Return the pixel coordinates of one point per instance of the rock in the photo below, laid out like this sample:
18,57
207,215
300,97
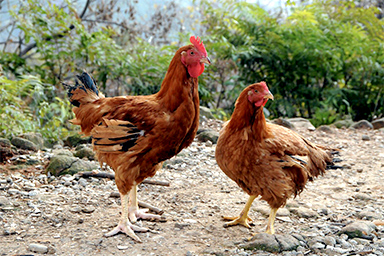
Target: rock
81,166
83,182
302,123
317,246
63,164
262,241
4,201
287,242
360,229
5,143
38,248
362,196
76,139
362,124
5,149
324,128
283,122
204,111
343,123
365,137
329,240
182,225
88,209
369,215
84,151
63,152
304,212
35,137
378,123
122,247
60,164
24,144
208,135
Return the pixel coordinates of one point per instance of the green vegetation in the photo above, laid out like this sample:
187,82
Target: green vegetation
325,61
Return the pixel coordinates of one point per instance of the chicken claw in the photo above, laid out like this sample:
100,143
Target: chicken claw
135,214
127,228
241,220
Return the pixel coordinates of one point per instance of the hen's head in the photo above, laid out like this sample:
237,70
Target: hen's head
258,94
195,57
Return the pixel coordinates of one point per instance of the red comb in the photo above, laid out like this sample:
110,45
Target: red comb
196,41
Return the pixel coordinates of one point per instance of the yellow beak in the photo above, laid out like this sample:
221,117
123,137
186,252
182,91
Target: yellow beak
269,96
205,60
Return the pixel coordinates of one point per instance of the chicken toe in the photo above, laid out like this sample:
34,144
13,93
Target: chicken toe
243,218
127,228
134,213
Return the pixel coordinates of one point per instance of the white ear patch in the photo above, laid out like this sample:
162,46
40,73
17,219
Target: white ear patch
183,53
250,93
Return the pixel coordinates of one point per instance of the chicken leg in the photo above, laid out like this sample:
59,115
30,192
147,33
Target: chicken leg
134,213
271,221
243,218
125,225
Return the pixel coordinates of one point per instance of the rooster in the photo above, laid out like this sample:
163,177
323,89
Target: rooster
263,158
134,135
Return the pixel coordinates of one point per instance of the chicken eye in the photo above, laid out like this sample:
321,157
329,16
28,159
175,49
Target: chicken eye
192,53
256,91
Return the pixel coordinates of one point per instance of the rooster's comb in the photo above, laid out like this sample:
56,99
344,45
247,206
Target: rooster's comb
196,41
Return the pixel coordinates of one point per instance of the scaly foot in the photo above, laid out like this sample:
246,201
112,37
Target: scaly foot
241,220
136,214
127,228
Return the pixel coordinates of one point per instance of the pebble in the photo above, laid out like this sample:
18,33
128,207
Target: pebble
38,248
122,247
88,209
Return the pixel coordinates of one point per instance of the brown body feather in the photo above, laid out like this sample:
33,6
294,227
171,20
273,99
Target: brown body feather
135,134
267,159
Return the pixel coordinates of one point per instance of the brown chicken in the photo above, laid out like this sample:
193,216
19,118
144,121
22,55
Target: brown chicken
263,158
136,134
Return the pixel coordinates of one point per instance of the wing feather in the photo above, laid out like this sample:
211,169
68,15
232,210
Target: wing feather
115,136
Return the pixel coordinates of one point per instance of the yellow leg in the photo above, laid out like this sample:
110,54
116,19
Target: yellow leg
271,221
125,226
134,212
243,218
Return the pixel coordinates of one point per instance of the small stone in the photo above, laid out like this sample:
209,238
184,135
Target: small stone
38,248
362,196
362,124
122,247
75,209
83,182
359,229
328,240
365,137
182,225
304,212
89,209
318,245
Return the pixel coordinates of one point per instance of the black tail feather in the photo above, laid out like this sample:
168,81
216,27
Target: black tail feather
84,81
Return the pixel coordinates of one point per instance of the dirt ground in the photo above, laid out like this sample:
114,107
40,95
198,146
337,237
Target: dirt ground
70,218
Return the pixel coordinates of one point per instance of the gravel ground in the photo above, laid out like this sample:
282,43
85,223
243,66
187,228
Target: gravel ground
69,215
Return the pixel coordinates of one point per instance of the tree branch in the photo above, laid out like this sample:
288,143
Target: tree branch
61,35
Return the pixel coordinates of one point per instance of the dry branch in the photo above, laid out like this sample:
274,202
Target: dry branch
142,204
112,176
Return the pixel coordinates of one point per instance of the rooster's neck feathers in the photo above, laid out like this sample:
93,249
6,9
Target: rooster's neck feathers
177,82
247,115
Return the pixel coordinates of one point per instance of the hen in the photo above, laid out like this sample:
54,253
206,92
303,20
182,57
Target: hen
136,134
263,158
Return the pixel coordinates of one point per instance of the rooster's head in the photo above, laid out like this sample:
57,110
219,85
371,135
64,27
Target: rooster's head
195,57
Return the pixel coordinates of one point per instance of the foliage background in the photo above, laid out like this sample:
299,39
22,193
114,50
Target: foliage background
321,59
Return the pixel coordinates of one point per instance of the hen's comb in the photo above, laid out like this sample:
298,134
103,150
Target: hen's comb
196,41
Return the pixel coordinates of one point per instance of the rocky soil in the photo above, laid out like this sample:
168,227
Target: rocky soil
340,213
